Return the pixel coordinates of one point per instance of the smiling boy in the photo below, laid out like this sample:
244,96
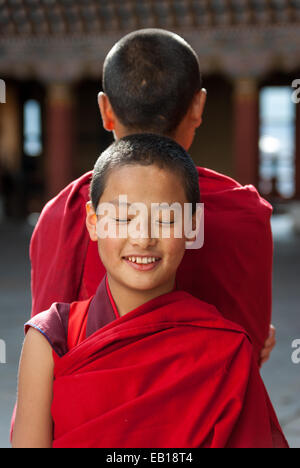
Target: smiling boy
150,184
168,370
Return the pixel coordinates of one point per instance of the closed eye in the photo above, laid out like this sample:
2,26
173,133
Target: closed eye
121,220
166,222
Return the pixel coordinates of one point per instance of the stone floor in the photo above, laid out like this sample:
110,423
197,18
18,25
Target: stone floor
281,376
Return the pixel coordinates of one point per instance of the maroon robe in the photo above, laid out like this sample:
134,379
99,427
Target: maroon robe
172,373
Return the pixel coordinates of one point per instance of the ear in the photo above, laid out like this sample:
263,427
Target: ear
107,113
197,107
91,222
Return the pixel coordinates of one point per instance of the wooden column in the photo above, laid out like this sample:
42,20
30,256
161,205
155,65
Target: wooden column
10,132
246,131
14,200
59,139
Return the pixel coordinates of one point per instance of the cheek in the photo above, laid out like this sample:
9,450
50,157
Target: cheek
110,250
174,249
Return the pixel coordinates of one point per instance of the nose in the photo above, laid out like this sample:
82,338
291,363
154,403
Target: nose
138,234
143,242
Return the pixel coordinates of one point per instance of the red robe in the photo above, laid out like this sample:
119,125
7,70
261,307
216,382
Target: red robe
170,374
233,271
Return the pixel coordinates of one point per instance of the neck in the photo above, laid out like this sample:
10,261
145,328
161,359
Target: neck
127,299
183,135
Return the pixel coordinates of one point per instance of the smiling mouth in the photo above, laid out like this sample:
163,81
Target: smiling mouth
142,260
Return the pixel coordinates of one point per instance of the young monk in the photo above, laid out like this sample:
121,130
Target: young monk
168,370
152,82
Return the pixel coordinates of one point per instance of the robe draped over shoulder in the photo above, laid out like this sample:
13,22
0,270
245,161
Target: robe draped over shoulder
172,373
66,325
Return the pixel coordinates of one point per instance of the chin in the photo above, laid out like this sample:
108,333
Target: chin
143,284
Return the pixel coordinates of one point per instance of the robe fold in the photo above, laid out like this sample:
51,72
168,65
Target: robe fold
233,271
171,374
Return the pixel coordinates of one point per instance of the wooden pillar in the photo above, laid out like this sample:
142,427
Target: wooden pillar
297,195
11,181
59,139
10,132
246,131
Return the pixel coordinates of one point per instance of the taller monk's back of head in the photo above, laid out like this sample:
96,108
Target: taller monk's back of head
151,77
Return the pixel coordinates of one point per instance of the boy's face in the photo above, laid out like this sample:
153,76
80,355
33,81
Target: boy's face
133,257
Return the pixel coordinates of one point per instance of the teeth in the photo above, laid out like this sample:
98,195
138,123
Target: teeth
142,261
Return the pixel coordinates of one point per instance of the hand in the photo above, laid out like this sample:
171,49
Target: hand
269,346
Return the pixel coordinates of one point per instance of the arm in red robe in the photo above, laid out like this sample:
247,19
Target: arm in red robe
233,271
172,373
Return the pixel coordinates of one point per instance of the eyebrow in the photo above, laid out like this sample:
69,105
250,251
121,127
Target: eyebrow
118,203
